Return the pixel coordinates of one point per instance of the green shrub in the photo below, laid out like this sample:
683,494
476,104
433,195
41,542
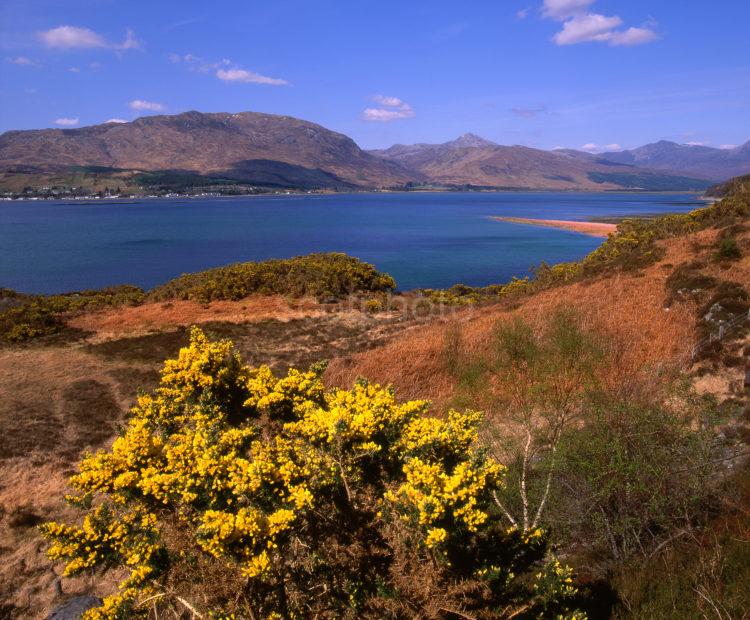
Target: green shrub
41,315
728,249
318,275
373,305
592,454
707,572
30,320
630,478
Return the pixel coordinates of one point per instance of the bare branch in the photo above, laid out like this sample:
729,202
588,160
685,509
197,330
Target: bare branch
506,512
189,607
524,496
547,487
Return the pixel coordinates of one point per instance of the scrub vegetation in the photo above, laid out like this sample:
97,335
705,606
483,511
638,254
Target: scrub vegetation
606,476
301,502
324,276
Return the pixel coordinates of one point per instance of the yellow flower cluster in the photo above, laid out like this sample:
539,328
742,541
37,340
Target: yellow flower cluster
250,465
436,438
108,538
447,497
363,420
554,584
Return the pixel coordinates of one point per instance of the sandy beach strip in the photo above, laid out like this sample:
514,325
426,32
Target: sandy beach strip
595,229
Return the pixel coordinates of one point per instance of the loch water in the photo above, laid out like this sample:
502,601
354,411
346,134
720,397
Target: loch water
424,240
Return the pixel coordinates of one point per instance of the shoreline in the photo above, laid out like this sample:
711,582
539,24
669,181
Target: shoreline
303,193
592,229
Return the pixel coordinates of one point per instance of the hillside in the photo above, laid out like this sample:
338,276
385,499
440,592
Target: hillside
216,151
471,160
250,147
703,162
648,295
736,186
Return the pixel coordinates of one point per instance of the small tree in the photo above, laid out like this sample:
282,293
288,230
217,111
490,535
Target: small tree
616,463
536,383
231,491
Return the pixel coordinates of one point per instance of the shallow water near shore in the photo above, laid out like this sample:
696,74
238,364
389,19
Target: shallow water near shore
429,240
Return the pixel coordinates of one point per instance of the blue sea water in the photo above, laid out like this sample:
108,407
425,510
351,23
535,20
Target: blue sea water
422,239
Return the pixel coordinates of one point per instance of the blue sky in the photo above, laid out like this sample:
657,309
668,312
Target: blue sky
545,73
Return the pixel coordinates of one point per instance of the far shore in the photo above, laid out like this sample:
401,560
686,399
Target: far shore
594,229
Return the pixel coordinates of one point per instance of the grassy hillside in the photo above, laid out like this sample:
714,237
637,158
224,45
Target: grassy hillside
628,440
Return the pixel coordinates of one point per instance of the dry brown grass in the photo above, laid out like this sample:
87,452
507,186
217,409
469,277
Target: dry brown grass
118,322
56,402
630,307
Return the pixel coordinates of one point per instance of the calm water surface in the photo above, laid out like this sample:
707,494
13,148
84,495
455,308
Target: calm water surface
422,239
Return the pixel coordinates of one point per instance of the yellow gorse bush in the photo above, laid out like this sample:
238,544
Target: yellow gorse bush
302,496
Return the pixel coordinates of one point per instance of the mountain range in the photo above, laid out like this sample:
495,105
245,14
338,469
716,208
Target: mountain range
471,160
691,159
281,151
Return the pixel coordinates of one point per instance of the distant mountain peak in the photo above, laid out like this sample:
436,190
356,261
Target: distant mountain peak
695,160
469,140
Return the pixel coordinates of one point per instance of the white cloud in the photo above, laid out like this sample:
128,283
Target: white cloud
592,147
383,115
248,77
727,147
523,13
75,69
72,37
23,60
130,42
391,102
189,58
66,122
588,27
196,63
76,37
224,69
695,143
562,9
392,109
633,36
116,120
583,26
151,106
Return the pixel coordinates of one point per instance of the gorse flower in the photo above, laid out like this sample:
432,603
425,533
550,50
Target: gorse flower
301,495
